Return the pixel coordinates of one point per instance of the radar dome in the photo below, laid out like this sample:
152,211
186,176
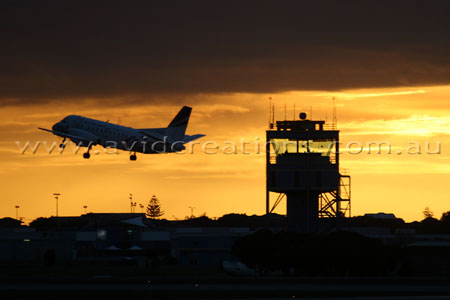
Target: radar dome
302,116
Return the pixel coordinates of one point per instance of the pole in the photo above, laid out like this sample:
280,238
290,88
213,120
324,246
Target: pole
17,212
56,197
131,203
192,211
270,111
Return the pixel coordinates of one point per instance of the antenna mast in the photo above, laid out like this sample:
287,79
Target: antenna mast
273,114
270,112
334,113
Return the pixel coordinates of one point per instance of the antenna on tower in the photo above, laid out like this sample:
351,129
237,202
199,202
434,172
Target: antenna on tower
334,112
270,112
273,114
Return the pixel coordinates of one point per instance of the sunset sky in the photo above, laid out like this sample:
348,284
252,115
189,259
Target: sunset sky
137,63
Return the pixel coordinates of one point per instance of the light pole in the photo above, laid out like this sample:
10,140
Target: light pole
192,211
131,202
85,209
142,208
17,212
56,197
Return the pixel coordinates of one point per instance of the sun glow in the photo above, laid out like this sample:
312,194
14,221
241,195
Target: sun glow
222,183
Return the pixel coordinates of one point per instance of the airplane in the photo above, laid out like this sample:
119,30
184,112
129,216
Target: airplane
86,132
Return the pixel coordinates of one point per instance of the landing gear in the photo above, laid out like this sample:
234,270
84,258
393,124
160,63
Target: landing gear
133,156
87,154
62,145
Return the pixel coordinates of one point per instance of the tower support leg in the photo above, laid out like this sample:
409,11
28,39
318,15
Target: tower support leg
303,211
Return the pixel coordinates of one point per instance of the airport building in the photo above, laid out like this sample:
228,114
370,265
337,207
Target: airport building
131,239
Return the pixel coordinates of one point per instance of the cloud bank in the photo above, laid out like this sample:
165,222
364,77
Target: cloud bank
77,49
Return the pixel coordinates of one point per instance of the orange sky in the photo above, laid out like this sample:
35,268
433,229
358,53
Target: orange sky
220,183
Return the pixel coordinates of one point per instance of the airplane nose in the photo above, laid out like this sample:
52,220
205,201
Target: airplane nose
60,127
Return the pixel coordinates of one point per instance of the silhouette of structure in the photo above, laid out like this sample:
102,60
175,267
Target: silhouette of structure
303,166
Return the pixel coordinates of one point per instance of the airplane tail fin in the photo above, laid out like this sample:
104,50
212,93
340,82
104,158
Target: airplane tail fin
177,127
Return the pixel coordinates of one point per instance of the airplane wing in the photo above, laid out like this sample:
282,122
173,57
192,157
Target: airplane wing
190,138
80,138
155,135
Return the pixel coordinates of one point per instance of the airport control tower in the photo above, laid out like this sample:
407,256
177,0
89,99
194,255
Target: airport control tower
303,167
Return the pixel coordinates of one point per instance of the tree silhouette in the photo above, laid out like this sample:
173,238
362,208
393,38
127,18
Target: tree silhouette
445,221
427,213
154,208
333,254
445,217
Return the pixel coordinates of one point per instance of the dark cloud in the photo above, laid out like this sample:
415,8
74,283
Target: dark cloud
67,49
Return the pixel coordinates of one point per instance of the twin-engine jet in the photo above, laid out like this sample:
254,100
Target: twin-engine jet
87,132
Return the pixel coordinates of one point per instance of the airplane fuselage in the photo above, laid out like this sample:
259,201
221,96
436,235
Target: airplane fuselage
111,135
87,132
